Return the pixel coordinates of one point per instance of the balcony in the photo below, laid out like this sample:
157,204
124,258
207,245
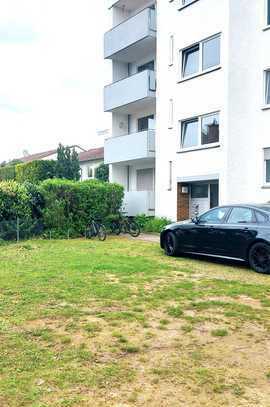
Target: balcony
136,91
133,39
130,147
139,202
127,4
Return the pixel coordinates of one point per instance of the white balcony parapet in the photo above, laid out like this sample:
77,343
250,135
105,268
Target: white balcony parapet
131,147
132,38
139,202
135,88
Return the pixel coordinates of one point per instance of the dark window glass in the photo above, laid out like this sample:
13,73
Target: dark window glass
210,129
143,123
191,60
149,65
190,133
241,215
215,216
268,12
199,191
267,163
261,218
211,53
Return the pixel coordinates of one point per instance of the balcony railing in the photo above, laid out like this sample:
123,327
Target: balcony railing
133,39
135,88
131,147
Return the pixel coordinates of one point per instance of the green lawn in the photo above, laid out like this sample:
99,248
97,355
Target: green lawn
117,324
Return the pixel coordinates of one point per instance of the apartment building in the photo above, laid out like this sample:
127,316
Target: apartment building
211,104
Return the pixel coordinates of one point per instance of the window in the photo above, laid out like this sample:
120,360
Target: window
261,218
210,129
241,215
191,61
211,53
145,179
267,87
267,165
201,57
148,66
268,12
143,123
215,216
199,191
90,172
200,131
190,133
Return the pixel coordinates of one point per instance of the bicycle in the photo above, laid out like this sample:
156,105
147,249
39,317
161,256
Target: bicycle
96,229
125,224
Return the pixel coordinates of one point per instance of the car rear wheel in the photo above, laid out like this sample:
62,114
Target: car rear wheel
170,244
259,257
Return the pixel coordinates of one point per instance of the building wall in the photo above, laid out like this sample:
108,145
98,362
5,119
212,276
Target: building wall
85,165
248,124
201,95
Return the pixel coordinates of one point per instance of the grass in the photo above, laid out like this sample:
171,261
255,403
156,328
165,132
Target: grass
118,323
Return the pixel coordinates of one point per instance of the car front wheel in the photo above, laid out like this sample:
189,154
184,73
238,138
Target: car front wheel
259,257
170,244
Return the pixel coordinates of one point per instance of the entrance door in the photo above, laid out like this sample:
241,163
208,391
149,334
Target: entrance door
199,199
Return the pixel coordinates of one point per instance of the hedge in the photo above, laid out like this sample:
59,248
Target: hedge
15,201
35,171
68,205
7,173
151,224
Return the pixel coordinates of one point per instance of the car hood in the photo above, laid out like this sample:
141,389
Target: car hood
177,224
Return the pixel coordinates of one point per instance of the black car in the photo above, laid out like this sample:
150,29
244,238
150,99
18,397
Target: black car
237,232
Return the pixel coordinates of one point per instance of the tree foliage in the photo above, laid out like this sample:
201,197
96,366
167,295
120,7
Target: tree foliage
35,171
102,173
67,165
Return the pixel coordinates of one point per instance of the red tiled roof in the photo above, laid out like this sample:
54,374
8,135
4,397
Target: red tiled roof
93,154
37,156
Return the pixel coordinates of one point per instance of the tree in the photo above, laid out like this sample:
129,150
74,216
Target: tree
67,165
102,173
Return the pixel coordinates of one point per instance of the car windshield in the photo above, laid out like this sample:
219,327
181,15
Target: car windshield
264,208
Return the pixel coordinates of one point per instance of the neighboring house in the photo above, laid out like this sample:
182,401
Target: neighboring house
212,110
46,155
89,161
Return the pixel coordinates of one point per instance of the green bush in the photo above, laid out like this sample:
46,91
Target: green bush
7,173
102,173
15,201
68,205
152,224
36,171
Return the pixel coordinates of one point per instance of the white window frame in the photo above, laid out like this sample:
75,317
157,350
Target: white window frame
92,168
200,71
199,146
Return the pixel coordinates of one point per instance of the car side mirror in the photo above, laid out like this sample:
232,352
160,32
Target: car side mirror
195,220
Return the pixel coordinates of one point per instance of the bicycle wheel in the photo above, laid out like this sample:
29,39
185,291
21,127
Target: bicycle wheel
116,228
102,233
89,233
134,229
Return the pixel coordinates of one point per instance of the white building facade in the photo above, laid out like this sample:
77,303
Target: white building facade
207,103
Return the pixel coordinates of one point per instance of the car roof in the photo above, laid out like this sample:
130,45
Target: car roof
261,207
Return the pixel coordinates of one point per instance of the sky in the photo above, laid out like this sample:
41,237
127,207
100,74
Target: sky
52,74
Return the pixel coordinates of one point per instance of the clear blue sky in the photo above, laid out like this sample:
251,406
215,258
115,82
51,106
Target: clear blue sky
51,74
